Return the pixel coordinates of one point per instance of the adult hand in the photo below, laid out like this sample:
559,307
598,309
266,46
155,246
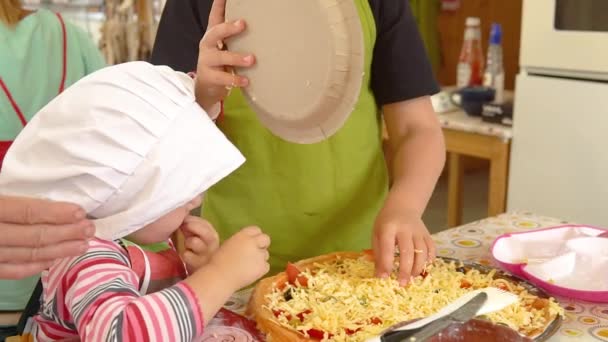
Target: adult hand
397,227
214,68
37,232
201,241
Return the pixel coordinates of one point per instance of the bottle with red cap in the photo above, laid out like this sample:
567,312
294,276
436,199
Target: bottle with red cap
471,62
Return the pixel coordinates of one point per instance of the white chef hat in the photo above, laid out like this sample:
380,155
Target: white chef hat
128,143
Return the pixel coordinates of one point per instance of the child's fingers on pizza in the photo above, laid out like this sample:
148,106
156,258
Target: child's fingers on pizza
385,253
406,256
430,245
420,255
374,244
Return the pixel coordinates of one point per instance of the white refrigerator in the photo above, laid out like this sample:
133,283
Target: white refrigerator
559,155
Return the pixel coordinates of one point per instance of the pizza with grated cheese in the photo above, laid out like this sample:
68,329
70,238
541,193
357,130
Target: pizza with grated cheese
336,297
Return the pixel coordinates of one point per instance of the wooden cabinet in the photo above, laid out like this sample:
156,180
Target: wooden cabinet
451,32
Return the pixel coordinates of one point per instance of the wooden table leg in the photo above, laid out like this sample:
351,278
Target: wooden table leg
499,171
455,189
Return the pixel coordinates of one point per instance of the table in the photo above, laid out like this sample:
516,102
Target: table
582,322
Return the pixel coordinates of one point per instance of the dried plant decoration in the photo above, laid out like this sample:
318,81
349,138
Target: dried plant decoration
129,30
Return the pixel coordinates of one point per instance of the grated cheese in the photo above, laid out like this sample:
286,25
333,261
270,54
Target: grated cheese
344,300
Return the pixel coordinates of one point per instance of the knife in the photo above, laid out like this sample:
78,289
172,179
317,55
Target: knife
460,315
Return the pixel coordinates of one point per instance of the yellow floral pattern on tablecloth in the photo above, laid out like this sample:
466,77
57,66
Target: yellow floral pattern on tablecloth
571,332
588,320
472,242
599,333
600,311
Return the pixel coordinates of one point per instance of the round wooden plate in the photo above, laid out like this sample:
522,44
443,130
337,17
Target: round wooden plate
309,64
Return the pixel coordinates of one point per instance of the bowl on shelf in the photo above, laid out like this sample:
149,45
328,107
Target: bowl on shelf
472,99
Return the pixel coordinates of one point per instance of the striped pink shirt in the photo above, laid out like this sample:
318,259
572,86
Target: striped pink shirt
95,297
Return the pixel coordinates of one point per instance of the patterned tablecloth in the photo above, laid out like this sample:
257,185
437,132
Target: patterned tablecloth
583,322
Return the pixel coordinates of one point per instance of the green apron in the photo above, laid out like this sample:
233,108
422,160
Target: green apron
311,199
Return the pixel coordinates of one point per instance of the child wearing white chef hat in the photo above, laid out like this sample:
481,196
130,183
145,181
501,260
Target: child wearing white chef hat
132,147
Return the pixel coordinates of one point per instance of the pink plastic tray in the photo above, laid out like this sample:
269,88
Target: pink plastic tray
569,261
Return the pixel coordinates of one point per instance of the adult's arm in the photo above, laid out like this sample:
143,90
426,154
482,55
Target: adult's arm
418,155
402,80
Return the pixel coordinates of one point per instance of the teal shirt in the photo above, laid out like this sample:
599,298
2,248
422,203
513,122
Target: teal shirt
31,66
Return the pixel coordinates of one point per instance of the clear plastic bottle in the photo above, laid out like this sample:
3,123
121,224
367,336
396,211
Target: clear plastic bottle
494,76
470,64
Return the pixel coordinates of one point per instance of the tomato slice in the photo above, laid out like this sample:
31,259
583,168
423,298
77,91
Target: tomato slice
540,303
316,334
278,313
375,320
303,280
293,274
352,332
465,284
503,287
282,286
301,315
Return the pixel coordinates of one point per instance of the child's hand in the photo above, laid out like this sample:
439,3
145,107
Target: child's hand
240,261
213,78
404,229
201,241
244,257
